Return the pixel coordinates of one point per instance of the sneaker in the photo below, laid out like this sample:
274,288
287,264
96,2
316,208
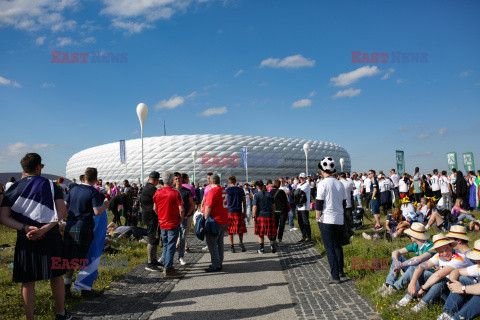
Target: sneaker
242,246
422,304
143,240
172,273
151,267
261,251
87,294
66,316
333,281
388,292
427,227
366,236
403,302
307,240
394,235
232,249
205,248
301,240
376,236
445,316
273,247
182,262
160,260
293,229
158,263
377,228
213,269
382,288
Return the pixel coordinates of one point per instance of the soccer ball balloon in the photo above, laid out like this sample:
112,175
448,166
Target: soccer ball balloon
327,164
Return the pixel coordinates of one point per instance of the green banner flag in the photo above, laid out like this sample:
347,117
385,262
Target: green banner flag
468,162
452,160
400,162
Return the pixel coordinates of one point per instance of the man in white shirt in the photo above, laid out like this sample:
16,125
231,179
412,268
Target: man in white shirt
367,183
331,203
445,191
348,214
303,209
395,179
357,191
434,182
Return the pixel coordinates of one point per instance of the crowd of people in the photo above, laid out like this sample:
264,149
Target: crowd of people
169,204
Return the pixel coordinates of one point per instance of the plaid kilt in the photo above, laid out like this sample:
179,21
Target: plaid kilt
77,241
265,226
236,223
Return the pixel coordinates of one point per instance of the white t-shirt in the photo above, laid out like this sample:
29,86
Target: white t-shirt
406,209
247,198
402,186
367,183
385,185
434,182
458,261
333,193
474,272
443,182
395,179
305,188
8,185
348,185
358,187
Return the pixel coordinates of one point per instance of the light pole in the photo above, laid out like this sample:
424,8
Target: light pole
306,148
194,155
142,111
342,161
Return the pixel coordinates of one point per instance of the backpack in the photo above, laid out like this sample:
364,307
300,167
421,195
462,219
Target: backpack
299,196
448,216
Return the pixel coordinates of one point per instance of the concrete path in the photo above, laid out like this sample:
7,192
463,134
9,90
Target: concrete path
251,285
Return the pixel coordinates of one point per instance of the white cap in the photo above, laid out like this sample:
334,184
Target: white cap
302,175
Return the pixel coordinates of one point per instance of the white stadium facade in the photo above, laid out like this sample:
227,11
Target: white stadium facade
267,158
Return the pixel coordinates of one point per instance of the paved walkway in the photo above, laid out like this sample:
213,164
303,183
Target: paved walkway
286,285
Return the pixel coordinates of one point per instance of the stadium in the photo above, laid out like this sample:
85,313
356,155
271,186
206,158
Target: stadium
267,158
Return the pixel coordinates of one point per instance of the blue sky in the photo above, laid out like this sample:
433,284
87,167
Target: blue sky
268,68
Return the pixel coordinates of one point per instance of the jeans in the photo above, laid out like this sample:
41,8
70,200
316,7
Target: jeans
391,277
465,215
169,240
358,199
447,201
182,237
375,206
461,304
435,291
215,245
397,193
332,238
291,216
249,214
280,219
304,223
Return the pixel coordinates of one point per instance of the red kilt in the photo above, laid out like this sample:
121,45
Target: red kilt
236,223
265,226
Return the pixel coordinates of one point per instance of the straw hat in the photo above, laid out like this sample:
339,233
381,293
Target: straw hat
417,230
475,253
440,240
458,232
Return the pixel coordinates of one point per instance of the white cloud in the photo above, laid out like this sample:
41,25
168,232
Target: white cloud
400,81
443,131
263,84
291,62
465,73
239,72
302,103
408,128
7,82
130,27
347,93
40,40
388,73
135,132
345,79
33,15
89,40
64,41
213,111
47,85
311,94
17,150
174,101
423,135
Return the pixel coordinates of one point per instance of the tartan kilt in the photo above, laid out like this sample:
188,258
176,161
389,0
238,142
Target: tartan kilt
77,241
236,223
265,226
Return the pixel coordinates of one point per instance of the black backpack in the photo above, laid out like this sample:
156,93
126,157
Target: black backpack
299,197
448,216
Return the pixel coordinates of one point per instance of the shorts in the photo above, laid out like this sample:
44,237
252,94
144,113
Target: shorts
375,205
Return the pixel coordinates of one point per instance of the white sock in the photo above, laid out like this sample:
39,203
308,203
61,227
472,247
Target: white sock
61,313
67,281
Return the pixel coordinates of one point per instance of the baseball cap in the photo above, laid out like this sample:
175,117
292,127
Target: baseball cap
154,175
302,175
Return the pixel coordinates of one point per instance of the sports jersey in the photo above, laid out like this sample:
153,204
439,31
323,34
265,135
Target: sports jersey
235,198
217,199
167,201
458,261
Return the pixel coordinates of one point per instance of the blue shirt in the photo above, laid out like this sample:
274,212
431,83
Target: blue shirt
81,201
235,199
264,202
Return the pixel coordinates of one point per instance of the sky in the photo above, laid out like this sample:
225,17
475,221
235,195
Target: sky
293,69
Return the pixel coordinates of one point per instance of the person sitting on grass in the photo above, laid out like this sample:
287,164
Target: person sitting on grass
392,222
460,213
436,217
463,302
420,246
459,234
429,286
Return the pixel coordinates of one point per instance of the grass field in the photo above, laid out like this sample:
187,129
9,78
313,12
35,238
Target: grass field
369,280
10,300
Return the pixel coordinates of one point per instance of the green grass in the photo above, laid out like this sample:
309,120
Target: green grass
10,299
368,281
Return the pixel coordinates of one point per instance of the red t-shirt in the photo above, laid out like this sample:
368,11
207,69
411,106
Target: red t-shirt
167,201
217,199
